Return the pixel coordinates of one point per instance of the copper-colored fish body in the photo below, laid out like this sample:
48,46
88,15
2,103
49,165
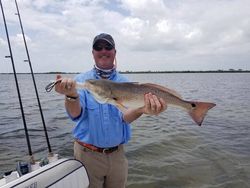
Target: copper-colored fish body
131,95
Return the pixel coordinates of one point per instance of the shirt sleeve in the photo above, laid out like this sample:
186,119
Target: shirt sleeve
75,119
82,104
82,101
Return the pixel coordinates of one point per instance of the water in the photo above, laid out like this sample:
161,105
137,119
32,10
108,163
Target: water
168,150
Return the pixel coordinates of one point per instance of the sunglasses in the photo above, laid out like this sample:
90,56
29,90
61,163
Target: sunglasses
99,47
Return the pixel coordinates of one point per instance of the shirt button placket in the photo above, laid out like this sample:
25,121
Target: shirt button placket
106,122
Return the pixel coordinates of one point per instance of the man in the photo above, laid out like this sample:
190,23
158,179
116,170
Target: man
101,129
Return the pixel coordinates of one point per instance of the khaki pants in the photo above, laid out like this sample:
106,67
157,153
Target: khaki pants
104,170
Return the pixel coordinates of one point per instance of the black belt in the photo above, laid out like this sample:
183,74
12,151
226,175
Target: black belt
97,149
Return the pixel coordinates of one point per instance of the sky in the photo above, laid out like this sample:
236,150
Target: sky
155,35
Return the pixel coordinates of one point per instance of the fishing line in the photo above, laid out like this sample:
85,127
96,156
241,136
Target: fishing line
17,87
34,82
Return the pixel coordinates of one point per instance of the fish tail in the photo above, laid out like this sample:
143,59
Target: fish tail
199,111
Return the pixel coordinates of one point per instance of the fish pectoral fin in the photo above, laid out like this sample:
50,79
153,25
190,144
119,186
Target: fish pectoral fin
119,105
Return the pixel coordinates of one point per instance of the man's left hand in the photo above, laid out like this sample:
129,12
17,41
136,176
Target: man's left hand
153,104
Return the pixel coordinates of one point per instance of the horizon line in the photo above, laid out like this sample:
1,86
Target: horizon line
131,72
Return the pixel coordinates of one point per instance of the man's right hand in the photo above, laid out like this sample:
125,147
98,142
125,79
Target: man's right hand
67,86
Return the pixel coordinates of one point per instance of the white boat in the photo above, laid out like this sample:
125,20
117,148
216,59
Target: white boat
60,173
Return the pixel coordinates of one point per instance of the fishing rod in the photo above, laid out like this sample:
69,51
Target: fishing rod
17,87
34,82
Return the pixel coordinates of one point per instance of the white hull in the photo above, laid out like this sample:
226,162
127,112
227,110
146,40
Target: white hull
61,173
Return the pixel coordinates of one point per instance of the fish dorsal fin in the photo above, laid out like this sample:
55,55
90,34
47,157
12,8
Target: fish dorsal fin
129,82
163,89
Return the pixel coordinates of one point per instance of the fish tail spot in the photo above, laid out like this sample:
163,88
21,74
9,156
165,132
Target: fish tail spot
193,105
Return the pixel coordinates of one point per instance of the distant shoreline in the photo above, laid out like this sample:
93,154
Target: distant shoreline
151,72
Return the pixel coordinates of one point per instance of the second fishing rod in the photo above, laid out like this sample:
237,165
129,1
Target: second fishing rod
32,161
34,82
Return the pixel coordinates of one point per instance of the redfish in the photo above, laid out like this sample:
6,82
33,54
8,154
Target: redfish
131,95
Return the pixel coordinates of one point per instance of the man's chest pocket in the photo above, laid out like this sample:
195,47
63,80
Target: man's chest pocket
93,110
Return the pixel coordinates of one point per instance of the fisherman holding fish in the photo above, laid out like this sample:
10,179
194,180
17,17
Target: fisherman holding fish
101,128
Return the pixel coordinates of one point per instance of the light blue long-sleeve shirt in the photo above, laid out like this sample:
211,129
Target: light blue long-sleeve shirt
101,125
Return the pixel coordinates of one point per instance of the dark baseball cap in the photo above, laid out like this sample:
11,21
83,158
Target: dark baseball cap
106,37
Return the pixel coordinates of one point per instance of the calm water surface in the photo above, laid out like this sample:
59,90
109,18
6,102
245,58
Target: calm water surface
168,150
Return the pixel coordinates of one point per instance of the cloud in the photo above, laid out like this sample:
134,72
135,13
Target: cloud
150,34
18,40
133,27
2,42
